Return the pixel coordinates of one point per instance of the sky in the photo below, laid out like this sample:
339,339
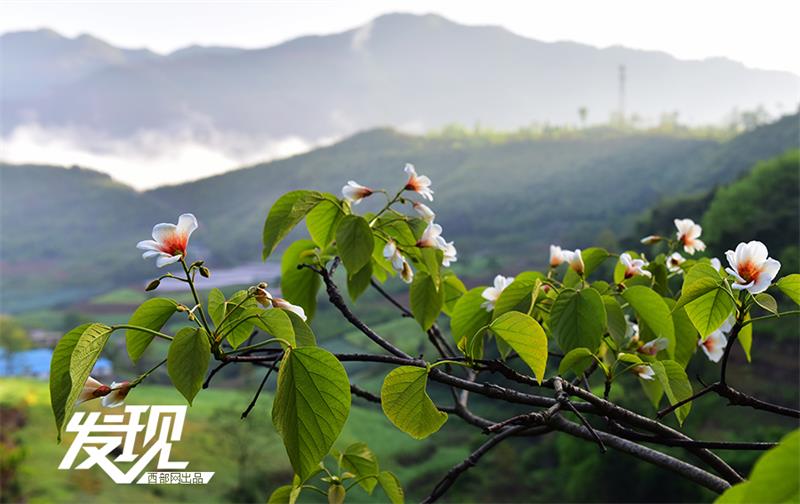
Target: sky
759,34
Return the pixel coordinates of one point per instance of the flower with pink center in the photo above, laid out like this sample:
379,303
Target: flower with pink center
420,184
432,237
644,372
674,263
714,345
575,260
119,391
633,267
169,241
424,211
751,267
688,234
654,346
92,389
355,192
492,294
556,256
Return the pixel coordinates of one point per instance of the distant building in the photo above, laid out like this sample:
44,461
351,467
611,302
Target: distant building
36,363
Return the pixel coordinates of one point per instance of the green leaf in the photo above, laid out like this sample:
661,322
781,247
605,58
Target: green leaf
85,353
790,285
526,337
745,337
303,334
187,361
578,319
286,494
766,302
593,257
676,385
299,286
358,282
238,326
355,242
398,229
285,214
617,325
391,487
469,316
453,290
701,279
686,335
216,306
426,300
653,311
518,295
274,322
322,222
576,360
311,405
152,314
60,382
431,259
407,405
710,310
359,460
774,476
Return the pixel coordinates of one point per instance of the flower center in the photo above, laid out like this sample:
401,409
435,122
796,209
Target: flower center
749,271
174,244
709,344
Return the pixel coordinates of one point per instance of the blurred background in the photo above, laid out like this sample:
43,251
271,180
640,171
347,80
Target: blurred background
582,123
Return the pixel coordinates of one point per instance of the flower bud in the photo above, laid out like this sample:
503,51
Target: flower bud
650,240
153,285
204,272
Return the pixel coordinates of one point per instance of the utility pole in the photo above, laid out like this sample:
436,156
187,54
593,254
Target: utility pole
621,110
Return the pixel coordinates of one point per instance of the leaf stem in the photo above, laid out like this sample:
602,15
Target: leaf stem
143,329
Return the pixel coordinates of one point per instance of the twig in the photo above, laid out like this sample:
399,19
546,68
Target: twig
214,372
258,392
563,399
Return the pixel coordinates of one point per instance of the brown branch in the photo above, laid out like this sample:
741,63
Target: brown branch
258,391
716,445
735,398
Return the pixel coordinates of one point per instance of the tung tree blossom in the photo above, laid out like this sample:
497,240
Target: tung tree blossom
450,254
492,294
575,260
714,345
674,263
392,254
169,241
556,256
119,391
424,211
420,184
633,266
651,239
92,389
644,372
751,267
267,300
688,234
654,346
355,192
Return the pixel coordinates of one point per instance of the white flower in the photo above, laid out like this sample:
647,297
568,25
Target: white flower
714,345
633,266
169,241
450,255
654,346
751,267
575,260
399,263
632,331
556,256
119,391
424,211
92,389
492,294
674,263
650,239
716,264
432,237
355,192
268,301
688,234
418,183
644,372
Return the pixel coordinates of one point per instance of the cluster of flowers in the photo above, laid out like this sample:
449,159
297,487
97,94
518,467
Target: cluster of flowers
750,266
431,237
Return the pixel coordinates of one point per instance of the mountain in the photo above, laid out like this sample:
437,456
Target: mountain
406,71
502,198
36,63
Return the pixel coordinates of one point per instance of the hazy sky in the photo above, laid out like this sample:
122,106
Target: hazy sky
760,34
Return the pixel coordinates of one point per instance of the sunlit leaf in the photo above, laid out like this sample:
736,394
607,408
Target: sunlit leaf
406,402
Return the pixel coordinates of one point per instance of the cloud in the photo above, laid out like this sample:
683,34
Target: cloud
150,158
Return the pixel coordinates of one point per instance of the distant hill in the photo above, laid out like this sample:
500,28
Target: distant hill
503,199
407,71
